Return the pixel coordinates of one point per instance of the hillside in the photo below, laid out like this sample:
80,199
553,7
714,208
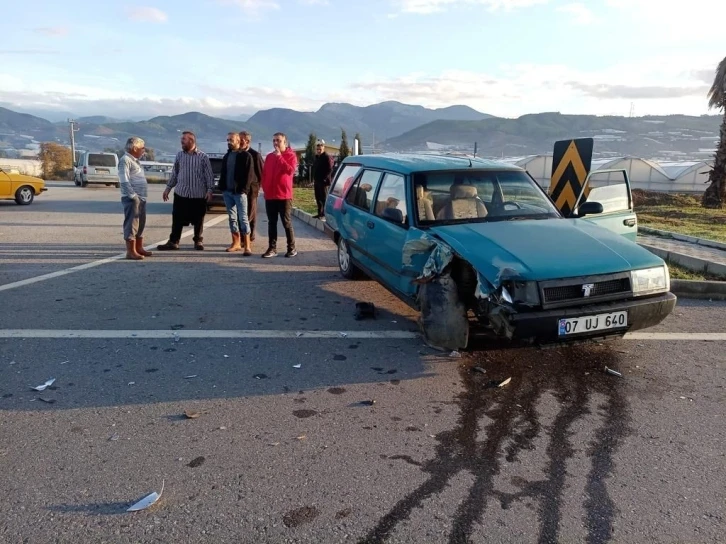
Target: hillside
674,136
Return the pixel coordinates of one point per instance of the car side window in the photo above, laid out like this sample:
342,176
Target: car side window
361,193
611,192
391,200
343,180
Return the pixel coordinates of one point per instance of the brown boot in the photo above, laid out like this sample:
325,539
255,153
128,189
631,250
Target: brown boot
248,246
236,245
131,251
140,248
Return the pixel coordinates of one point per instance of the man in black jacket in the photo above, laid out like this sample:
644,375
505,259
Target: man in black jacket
234,181
254,189
322,174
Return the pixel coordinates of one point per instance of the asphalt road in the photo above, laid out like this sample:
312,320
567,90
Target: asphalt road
563,453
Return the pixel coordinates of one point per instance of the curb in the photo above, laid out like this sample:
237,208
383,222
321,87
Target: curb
682,237
695,264
308,219
711,290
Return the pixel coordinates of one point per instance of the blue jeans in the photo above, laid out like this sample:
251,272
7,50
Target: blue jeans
237,212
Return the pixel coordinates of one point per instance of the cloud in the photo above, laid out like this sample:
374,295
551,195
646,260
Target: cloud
145,14
705,76
630,92
434,6
252,7
580,13
52,31
314,2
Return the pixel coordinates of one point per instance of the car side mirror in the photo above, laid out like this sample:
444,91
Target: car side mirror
589,208
393,214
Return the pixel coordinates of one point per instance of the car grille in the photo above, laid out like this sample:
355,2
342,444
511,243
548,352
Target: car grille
571,292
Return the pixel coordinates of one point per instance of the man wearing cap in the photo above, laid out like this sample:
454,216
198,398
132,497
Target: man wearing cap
322,176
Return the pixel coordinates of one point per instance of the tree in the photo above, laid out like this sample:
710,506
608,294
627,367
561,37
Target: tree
309,156
55,160
715,194
344,149
360,143
149,154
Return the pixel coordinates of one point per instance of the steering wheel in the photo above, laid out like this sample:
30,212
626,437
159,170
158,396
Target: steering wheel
510,202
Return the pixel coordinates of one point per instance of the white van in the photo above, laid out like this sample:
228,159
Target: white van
97,168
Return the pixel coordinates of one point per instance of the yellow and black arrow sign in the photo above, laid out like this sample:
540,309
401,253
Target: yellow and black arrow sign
571,163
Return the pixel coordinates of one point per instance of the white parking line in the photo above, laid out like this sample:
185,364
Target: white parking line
93,264
291,334
165,333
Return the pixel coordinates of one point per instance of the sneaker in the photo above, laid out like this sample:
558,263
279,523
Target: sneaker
169,246
199,246
269,253
291,253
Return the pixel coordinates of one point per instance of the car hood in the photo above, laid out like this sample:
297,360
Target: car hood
22,178
543,249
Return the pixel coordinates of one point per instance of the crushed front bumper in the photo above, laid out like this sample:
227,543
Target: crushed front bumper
542,327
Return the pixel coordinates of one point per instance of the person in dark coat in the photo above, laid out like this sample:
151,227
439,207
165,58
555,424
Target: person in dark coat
322,176
254,189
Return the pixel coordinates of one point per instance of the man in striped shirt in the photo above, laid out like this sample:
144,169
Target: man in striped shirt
193,182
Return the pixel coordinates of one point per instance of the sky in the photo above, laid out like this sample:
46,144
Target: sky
229,57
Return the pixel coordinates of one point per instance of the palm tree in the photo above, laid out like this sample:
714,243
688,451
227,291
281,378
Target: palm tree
715,195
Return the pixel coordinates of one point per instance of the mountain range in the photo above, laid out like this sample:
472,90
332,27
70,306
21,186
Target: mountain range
389,126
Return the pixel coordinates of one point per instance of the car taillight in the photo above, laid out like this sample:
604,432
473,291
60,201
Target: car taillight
85,170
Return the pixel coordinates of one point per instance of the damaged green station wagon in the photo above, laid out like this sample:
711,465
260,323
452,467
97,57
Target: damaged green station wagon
478,246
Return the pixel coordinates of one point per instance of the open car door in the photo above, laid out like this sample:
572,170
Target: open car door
609,189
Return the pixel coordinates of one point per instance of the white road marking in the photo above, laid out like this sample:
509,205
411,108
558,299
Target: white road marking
94,264
301,334
165,333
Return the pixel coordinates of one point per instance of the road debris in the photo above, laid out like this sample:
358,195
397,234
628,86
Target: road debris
196,462
479,370
296,366
365,310
505,382
44,386
455,355
343,335
147,501
132,383
48,401
299,334
190,376
302,437
274,444
64,363
226,356
368,402
190,414
114,438
613,372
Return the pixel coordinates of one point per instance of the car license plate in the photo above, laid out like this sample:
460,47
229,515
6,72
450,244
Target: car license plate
102,171
592,323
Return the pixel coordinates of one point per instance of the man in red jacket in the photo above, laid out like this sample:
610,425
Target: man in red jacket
280,167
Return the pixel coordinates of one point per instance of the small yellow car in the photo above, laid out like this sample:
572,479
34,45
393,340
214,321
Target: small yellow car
19,187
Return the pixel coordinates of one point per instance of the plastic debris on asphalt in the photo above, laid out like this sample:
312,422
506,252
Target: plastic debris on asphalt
344,335
114,438
479,370
189,414
613,372
368,402
44,386
147,501
48,401
190,377
505,382
296,366
299,334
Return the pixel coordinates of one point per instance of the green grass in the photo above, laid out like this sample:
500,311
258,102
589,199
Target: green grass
680,273
304,198
679,213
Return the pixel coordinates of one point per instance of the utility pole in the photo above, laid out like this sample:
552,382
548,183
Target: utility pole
476,147
632,109
74,129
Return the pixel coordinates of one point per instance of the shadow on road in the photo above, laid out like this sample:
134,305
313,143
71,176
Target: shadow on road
514,427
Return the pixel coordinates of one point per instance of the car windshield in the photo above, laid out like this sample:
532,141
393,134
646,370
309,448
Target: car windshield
479,196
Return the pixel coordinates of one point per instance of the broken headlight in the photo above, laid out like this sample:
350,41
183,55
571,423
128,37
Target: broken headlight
650,280
523,293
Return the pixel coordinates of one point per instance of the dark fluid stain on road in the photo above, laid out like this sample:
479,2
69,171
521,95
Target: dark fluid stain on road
7,395
169,350
339,357
392,371
196,462
300,516
302,414
336,390
353,346
412,429
513,427
151,370
342,514
154,348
